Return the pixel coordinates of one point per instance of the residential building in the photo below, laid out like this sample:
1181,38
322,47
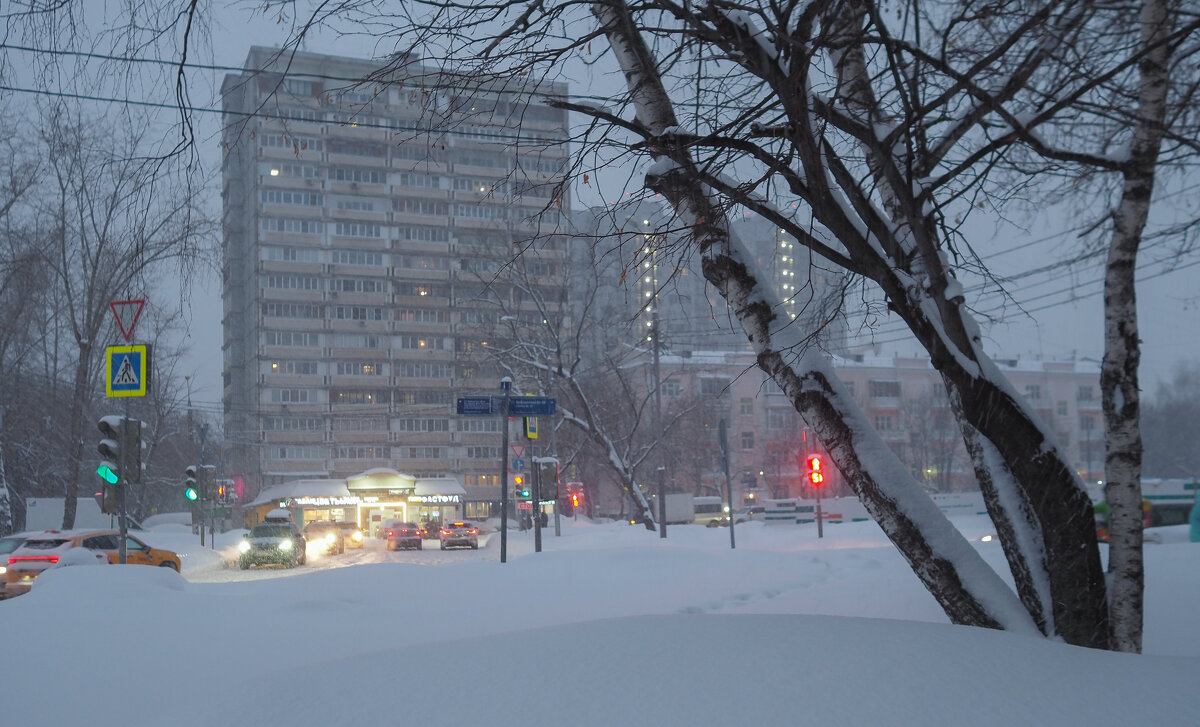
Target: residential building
903,398
365,230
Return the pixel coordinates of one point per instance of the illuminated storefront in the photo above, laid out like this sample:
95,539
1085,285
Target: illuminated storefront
366,499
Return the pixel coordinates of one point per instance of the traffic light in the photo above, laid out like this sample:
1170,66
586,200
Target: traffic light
191,485
815,474
120,446
521,487
547,474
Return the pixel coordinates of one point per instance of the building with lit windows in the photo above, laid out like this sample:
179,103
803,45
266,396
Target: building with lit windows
622,243
903,397
363,224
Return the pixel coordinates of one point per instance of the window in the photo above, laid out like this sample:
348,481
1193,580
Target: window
424,234
292,282
290,141
360,205
293,424
293,227
885,389
421,315
424,370
283,196
291,254
291,338
778,418
363,397
420,453
1062,408
360,424
357,229
361,453
483,453
353,340
299,452
352,174
1084,393
358,368
291,310
883,422
672,388
358,285
302,368
478,426
293,396
356,257
710,386
1033,392
356,313
747,440
1087,423
419,343
746,406
423,425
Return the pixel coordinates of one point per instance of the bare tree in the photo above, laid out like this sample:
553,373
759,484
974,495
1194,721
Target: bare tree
109,217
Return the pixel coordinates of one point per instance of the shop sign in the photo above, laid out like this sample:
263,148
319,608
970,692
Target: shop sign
325,501
435,499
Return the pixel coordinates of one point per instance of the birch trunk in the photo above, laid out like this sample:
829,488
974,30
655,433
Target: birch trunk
1120,395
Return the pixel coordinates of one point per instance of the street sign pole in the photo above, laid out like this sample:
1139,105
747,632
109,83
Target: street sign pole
506,384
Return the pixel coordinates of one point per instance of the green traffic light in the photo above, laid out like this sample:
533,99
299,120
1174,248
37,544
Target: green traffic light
191,494
107,474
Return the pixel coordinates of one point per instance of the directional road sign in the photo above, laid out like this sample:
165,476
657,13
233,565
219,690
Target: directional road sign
518,464
531,406
480,405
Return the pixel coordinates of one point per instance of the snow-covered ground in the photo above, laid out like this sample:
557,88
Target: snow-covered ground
610,625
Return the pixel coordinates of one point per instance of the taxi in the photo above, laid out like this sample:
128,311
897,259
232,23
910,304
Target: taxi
43,550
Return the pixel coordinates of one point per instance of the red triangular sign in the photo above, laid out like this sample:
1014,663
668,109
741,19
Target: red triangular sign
127,313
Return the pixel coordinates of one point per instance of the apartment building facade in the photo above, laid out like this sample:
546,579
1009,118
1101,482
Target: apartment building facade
367,228
902,397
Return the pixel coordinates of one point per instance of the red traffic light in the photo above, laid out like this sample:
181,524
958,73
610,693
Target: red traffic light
815,475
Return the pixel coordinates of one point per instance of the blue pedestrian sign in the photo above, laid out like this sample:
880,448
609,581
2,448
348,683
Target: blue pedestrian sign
127,370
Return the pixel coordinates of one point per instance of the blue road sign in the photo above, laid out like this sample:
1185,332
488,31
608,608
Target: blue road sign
518,464
480,405
530,406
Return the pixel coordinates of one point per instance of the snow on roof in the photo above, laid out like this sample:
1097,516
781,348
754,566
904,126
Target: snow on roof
301,488
439,486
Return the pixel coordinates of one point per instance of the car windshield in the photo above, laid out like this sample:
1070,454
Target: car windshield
271,531
8,545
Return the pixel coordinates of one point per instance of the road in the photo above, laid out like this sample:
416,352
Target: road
211,568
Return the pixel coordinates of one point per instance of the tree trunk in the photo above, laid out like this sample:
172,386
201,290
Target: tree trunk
1119,373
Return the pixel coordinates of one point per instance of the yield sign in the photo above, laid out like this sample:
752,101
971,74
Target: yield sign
127,313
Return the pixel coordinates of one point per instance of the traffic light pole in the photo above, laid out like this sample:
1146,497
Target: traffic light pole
126,476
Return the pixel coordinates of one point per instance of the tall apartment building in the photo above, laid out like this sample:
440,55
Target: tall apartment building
366,227
691,313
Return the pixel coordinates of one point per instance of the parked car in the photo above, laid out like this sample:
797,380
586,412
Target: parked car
352,534
274,543
404,535
8,544
326,536
459,534
43,550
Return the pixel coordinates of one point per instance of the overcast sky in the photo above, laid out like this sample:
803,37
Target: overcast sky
1063,305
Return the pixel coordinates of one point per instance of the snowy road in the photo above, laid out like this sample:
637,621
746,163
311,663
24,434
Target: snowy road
212,566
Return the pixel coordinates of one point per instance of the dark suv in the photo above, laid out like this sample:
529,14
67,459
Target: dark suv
275,543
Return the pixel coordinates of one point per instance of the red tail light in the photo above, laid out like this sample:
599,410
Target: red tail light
14,558
390,533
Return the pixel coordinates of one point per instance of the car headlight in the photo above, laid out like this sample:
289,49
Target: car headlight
285,545
244,546
3,569
357,536
330,539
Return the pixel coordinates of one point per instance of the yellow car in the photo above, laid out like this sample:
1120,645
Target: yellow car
44,550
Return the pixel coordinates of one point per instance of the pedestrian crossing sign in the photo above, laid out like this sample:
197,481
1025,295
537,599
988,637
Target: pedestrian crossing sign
127,370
